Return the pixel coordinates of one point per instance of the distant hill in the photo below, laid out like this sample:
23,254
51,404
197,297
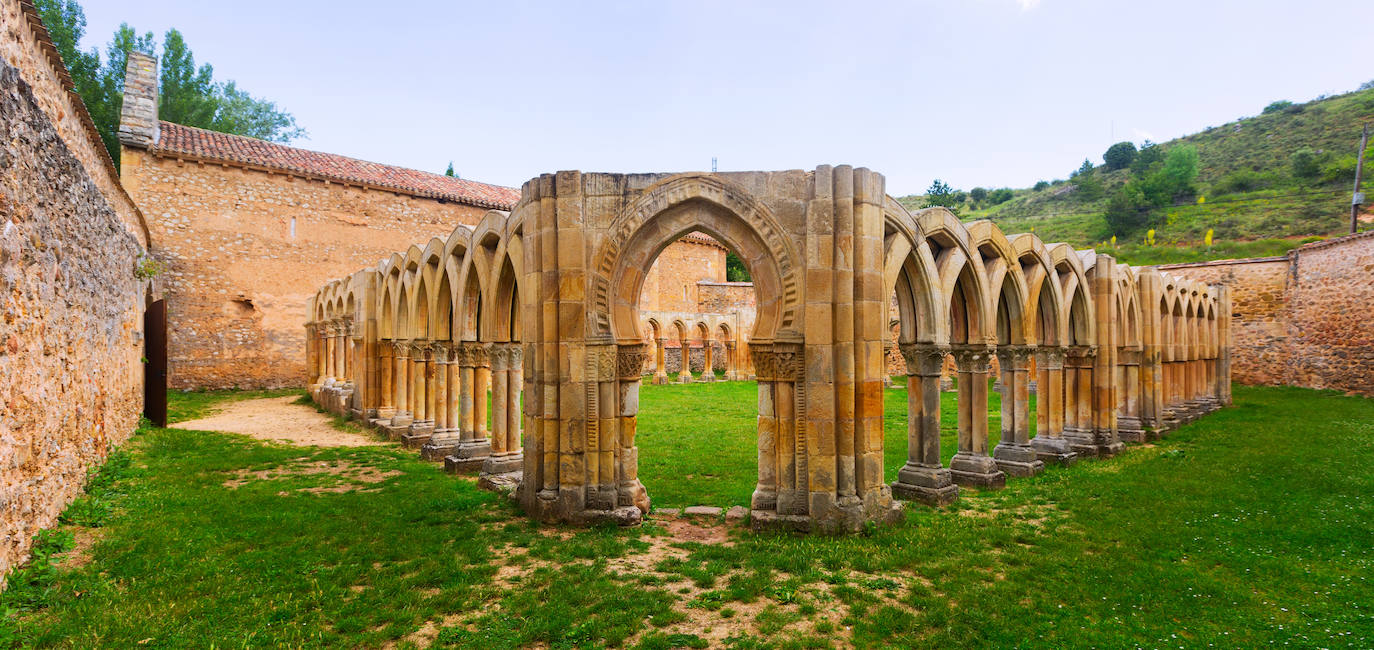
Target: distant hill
1264,184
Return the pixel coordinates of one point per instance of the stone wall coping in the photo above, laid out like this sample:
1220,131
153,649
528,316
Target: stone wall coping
1239,260
1333,242
59,68
712,283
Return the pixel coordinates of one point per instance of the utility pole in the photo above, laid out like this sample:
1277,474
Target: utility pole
1358,197
713,164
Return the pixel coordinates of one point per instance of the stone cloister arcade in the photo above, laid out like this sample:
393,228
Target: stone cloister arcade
538,312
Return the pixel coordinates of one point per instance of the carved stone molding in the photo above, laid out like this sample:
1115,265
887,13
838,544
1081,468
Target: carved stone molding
1050,358
778,362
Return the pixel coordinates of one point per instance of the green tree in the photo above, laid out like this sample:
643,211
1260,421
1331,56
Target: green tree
735,270
978,194
449,171
941,194
1040,185
1119,155
999,196
1147,159
1126,211
187,94
1086,182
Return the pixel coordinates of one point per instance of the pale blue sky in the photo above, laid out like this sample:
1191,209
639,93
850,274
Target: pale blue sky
975,92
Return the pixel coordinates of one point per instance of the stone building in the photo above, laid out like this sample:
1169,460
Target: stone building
248,228
72,287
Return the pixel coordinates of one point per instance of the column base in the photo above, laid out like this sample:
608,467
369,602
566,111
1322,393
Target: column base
503,463
385,413
504,483
469,455
394,431
1130,429
442,443
1017,460
1053,450
976,471
418,434
707,377
684,379
933,486
660,379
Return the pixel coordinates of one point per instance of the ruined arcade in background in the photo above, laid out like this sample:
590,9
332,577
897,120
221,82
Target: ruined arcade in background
542,307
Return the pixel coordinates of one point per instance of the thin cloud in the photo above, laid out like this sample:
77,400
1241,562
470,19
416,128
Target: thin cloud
1027,5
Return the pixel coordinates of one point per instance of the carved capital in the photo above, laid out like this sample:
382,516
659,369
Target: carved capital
924,359
778,362
401,348
1013,356
1050,358
517,356
630,361
475,354
441,350
972,358
499,357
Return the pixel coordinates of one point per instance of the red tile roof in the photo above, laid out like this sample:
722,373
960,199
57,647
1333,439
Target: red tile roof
179,140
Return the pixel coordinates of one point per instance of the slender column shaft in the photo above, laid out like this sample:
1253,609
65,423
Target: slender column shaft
385,360
481,392
514,384
708,370
402,378
500,392
439,380
1021,397
453,391
660,361
685,351
420,367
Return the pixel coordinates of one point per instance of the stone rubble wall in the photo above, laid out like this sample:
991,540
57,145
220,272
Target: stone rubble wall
672,282
245,251
25,45
1303,319
72,326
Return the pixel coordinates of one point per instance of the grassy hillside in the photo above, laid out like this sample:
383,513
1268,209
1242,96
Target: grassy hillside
1264,184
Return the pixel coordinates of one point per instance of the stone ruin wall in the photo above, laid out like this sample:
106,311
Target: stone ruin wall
245,251
670,283
1304,319
72,327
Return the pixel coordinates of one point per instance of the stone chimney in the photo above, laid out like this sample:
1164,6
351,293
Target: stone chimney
138,126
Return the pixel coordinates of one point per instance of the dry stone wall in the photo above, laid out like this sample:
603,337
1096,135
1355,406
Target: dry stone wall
72,319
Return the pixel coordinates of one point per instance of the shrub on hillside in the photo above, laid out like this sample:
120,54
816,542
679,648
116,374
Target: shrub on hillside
978,194
1277,106
1040,185
1149,156
1119,155
1340,170
1245,180
999,196
1304,164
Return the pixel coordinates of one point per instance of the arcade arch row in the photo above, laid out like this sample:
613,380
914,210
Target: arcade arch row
415,344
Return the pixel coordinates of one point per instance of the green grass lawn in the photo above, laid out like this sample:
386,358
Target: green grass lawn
1249,527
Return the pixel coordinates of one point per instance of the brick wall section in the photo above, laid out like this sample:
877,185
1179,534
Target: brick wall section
1303,319
246,250
70,339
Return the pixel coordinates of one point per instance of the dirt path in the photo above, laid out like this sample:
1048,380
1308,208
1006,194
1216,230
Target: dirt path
278,419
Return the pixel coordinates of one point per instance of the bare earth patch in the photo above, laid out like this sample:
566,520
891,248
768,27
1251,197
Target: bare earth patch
352,477
80,555
278,419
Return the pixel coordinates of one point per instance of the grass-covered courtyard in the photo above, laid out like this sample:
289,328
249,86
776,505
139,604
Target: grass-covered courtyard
1250,527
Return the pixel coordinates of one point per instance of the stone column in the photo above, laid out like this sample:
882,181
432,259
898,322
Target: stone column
971,465
731,364
386,392
473,446
1078,409
684,374
444,438
401,380
1049,442
329,355
506,455
660,362
782,470
923,478
708,368
630,492
346,336
1014,454
481,405
498,358
1129,424
422,396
